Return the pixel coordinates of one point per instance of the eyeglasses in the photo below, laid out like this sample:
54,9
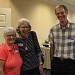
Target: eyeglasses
13,35
24,26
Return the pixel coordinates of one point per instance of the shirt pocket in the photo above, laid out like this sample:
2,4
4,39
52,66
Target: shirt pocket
70,43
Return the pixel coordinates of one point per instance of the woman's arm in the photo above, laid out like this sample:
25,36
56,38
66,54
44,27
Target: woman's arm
38,50
40,66
1,67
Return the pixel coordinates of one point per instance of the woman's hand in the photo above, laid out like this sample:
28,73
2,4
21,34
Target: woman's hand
41,69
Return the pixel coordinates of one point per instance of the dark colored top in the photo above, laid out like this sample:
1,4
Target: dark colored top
27,51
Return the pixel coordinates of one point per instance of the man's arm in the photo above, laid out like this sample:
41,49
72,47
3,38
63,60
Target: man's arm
51,51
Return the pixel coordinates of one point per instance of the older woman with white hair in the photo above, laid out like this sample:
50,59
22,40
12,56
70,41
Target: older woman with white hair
10,60
29,49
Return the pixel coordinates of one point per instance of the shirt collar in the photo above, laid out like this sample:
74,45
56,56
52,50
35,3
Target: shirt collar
8,48
67,26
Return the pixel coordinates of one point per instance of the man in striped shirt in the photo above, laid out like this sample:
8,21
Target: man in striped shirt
62,44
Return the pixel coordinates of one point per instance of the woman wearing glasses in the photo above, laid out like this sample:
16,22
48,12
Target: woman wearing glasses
29,49
10,60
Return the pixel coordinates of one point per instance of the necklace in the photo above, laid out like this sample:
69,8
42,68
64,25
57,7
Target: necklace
26,48
25,44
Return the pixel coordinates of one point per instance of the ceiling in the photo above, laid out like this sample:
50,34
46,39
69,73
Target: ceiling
69,3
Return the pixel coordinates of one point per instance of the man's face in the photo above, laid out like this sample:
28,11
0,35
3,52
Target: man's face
61,14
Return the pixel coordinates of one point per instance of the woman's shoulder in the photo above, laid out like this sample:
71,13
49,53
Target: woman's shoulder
18,40
33,33
2,47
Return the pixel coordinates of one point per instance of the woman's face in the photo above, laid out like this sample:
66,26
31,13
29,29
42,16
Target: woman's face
10,38
24,30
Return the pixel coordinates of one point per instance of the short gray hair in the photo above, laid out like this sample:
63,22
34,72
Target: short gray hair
21,22
8,30
63,6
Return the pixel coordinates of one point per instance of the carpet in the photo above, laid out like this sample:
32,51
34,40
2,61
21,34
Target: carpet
46,72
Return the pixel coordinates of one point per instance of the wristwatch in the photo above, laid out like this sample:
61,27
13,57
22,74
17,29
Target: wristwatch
41,63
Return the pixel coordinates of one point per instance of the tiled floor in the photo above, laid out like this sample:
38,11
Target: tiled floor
46,72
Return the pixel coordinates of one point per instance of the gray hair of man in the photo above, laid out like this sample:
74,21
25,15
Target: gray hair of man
63,6
21,22
9,30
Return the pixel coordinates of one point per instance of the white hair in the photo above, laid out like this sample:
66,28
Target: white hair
21,22
8,30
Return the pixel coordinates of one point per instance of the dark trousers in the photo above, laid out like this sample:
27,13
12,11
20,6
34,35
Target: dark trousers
34,71
62,66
